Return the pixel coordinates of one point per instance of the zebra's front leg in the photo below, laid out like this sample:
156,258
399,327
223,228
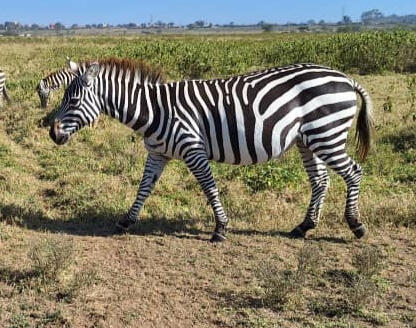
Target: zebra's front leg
152,171
199,166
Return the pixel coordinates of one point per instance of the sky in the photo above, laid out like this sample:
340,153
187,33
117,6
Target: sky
182,12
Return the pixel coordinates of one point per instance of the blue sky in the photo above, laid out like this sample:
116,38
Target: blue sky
188,11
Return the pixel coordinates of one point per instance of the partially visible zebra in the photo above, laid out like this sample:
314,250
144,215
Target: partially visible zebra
3,89
250,118
57,79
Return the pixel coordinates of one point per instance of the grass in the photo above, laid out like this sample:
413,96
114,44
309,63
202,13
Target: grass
283,288
62,265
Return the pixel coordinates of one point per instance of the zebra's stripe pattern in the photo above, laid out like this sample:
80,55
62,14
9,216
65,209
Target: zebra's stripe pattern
58,79
3,89
245,119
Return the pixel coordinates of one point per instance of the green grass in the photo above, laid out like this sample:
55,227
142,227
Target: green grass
165,272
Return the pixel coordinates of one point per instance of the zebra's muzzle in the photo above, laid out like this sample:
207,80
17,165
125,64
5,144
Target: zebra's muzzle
55,134
43,96
43,102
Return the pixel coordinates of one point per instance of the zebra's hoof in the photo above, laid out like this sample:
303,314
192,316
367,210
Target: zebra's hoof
217,238
297,233
121,228
123,225
360,231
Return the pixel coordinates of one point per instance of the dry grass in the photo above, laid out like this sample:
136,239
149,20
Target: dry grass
58,206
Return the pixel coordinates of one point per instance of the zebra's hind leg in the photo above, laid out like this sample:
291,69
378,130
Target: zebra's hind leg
352,173
198,164
152,171
319,180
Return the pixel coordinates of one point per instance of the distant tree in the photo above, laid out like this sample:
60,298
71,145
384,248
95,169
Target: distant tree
171,25
159,23
34,27
346,20
199,23
321,22
74,26
11,26
371,16
267,27
311,22
59,26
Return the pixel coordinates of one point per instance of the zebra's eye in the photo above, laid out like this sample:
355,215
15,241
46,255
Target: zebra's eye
74,101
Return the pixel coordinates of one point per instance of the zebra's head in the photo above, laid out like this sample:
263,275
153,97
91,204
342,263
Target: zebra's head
43,91
80,106
54,81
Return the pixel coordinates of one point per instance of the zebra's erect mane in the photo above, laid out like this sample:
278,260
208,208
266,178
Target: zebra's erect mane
148,72
151,73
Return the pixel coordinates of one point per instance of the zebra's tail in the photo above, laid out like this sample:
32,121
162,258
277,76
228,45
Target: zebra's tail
365,122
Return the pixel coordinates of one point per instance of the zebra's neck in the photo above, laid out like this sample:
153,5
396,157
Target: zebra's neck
59,78
136,105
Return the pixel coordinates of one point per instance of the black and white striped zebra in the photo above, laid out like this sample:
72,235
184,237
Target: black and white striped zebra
3,88
58,79
245,119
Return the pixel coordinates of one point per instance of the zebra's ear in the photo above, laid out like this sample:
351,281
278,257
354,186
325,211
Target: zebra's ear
73,66
91,73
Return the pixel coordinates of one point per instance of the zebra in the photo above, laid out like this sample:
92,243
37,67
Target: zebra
245,119
3,89
57,79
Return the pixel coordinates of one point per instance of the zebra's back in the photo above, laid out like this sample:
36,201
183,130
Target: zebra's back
254,117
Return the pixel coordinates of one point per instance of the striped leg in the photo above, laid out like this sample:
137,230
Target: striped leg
351,172
199,166
319,179
152,171
6,96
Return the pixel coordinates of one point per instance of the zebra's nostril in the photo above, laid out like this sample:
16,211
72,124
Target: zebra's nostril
56,135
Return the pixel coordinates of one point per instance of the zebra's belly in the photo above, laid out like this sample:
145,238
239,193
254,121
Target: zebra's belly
262,146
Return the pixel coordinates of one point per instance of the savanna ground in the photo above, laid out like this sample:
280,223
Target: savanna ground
63,265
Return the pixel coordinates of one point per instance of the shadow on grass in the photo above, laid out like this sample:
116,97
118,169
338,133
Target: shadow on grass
286,234
93,223
401,141
15,277
48,118
330,308
240,300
